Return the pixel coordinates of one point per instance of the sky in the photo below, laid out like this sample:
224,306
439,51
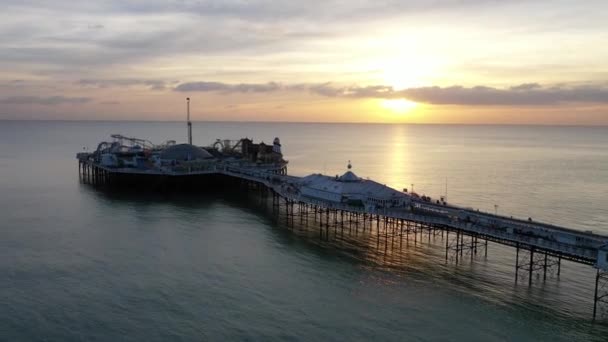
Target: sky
417,61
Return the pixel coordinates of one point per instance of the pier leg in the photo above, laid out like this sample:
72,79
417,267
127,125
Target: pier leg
386,230
531,266
447,246
486,253
327,224
292,213
400,233
473,246
320,222
308,207
601,292
321,218
516,261
559,265
597,280
461,243
378,228
457,244
335,212
287,212
545,268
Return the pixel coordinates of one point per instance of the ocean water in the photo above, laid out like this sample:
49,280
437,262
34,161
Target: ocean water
79,263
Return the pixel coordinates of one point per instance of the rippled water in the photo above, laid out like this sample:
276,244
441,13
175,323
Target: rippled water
78,263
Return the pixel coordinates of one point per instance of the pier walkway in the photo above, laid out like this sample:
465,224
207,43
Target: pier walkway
571,244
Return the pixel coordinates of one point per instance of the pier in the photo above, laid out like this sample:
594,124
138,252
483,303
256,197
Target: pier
539,247
345,202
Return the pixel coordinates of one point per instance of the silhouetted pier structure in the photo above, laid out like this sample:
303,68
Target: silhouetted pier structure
539,247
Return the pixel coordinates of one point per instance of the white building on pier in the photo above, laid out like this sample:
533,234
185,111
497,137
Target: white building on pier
353,190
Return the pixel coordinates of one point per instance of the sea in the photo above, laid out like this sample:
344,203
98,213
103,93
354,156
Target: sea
79,263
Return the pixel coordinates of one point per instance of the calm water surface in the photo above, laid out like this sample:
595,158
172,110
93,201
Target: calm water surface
83,264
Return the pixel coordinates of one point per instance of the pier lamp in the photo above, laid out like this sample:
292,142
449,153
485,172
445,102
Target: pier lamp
496,209
412,188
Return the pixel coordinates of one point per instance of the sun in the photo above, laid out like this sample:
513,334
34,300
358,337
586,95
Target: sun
399,106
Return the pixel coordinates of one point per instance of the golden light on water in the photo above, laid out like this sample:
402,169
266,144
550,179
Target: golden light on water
398,106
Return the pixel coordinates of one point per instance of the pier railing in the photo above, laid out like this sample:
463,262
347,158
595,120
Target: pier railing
586,255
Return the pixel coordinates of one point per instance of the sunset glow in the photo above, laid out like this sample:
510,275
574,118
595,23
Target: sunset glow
248,61
399,106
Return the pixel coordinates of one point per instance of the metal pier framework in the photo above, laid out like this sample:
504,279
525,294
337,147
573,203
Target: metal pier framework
535,254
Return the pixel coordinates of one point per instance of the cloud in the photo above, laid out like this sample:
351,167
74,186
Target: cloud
111,103
53,44
514,96
139,31
519,95
327,89
526,86
47,101
95,35
229,88
100,83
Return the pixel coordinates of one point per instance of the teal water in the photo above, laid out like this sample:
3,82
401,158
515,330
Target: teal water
82,264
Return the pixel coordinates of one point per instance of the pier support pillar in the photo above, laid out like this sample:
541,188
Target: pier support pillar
531,260
601,292
447,244
531,269
486,247
516,261
461,244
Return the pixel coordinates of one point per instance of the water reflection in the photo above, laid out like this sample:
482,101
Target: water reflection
391,260
399,175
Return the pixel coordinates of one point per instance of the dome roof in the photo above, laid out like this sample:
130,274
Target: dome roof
349,176
184,152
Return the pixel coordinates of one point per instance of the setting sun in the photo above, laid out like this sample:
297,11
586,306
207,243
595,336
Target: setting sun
398,105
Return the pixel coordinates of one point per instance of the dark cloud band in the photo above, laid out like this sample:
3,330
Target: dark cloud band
524,94
230,88
47,101
98,83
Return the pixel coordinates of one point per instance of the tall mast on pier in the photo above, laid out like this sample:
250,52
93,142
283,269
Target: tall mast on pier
189,123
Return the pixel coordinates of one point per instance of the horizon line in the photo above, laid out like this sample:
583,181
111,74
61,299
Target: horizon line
317,122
